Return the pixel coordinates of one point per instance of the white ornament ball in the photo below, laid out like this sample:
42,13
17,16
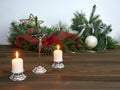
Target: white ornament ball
91,41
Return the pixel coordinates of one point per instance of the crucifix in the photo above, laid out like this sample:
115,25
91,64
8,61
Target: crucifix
39,69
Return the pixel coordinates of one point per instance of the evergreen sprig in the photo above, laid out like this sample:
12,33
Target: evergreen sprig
93,26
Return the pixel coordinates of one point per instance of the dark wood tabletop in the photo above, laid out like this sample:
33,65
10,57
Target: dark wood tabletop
82,71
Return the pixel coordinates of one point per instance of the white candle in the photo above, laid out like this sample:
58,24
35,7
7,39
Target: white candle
17,64
58,55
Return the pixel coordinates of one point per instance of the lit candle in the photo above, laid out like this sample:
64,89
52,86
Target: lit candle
17,64
58,55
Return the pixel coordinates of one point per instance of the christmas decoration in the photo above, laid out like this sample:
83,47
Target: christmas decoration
91,41
22,34
31,20
93,26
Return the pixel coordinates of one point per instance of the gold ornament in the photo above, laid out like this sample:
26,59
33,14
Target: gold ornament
31,20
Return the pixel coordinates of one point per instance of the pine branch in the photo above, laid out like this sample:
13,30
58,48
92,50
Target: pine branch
92,14
94,18
36,25
107,30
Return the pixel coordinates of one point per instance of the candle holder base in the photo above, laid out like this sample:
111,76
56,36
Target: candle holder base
39,70
17,77
58,65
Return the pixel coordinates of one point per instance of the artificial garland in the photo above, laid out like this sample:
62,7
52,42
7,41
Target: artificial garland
21,34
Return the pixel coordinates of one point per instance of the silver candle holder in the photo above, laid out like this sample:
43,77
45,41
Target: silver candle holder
58,65
39,69
17,76
17,69
58,58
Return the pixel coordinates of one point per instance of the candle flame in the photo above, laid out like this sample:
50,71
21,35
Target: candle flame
58,47
17,54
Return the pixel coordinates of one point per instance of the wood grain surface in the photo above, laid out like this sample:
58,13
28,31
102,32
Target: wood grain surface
83,71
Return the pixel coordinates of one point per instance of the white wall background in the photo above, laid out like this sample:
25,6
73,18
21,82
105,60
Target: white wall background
53,11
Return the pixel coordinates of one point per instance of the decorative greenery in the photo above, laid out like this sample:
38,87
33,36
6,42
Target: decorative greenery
19,28
66,44
93,26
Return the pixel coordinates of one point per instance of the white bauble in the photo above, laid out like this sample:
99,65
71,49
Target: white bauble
91,41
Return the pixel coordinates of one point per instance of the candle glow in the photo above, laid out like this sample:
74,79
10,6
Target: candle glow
17,64
17,54
58,47
57,54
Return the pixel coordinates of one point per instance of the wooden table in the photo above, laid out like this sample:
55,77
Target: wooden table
83,71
